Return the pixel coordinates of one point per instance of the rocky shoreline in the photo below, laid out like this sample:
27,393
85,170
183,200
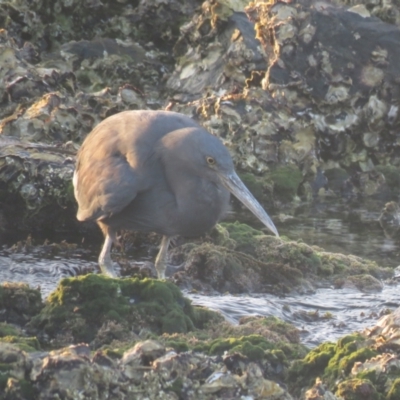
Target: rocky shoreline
140,338
304,94
137,337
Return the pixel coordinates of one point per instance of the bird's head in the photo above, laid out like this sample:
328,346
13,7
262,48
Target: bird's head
204,154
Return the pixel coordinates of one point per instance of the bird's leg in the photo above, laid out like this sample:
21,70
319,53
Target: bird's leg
161,259
105,261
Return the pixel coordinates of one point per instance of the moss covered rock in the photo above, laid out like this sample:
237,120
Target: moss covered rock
7,330
243,259
287,179
252,346
243,235
363,282
352,368
357,389
256,338
80,306
27,344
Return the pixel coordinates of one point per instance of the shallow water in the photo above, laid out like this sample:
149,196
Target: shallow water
325,315
40,272
347,229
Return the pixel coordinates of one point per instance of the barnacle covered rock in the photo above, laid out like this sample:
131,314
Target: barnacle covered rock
326,100
72,372
217,48
37,178
336,88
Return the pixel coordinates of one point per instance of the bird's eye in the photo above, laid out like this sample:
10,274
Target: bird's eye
210,161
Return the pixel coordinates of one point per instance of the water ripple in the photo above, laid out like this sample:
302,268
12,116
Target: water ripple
348,310
44,274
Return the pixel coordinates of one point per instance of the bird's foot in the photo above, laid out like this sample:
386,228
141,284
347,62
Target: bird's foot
105,262
172,269
160,271
161,259
107,269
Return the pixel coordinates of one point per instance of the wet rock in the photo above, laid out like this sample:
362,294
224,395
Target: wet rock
37,185
364,283
389,219
72,372
146,352
263,388
391,174
302,67
220,382
15,365
357,388
19,303
386,329
358,366
263,77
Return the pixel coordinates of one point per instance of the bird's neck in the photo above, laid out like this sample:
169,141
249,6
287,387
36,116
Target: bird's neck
200,203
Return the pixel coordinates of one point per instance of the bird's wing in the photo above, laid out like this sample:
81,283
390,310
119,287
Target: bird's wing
104,186
110,164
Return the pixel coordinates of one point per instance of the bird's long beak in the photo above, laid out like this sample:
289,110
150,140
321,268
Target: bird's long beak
234,184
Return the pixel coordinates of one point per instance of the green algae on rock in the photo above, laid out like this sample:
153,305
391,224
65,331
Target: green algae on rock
80,306
357,367
10,334
7,330
18,304
330,362
243,235
266,340
26,344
